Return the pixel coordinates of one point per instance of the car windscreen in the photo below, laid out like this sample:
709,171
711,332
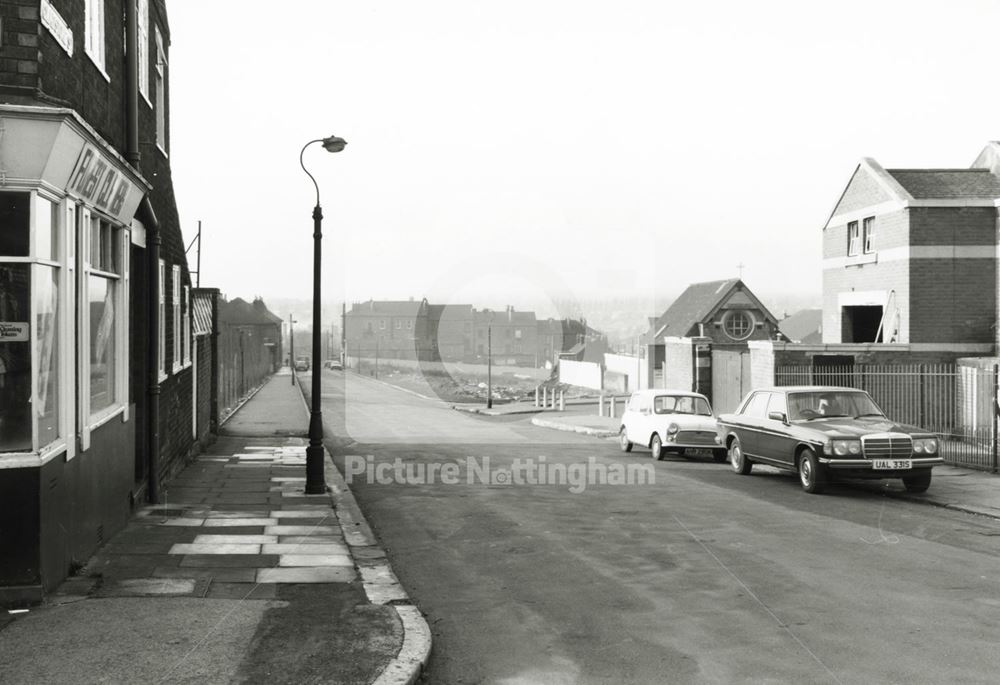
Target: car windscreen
818,404
681,404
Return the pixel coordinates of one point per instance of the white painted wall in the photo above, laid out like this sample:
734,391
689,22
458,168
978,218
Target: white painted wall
582,374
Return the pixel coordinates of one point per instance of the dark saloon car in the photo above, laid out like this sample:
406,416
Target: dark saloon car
824,432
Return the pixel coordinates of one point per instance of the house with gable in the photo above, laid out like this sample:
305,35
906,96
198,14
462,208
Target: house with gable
910,257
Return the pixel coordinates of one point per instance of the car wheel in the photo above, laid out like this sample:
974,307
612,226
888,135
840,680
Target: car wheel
623,441
918,483
656,448
811,473
737,459
720,456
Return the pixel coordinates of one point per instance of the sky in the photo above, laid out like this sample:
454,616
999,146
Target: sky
528,151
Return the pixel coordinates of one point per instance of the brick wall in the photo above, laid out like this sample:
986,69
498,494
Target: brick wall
862,191
19,54
678,364
203,377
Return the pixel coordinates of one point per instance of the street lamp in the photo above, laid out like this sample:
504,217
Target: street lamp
291,346
315,482
489,363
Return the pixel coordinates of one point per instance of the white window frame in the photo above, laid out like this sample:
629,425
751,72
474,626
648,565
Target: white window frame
853,239
175,311
93,40
187,326
161,361
868,234
142,47
89,422
161,94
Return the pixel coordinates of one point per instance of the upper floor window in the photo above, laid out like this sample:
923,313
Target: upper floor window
142,49
853,239
161,93
869,234
738,325
94,31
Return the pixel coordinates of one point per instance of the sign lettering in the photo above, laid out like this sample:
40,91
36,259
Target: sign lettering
97,180
13,331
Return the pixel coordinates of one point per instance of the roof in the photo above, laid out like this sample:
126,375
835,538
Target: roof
201,310
450,311
803,326
387,308
950,184
807,388
693,306
241,313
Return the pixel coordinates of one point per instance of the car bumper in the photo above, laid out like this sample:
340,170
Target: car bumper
866,464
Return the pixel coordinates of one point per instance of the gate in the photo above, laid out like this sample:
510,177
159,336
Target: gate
956,402
730,378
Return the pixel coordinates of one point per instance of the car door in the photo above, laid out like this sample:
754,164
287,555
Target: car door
631,417
775,441
748,421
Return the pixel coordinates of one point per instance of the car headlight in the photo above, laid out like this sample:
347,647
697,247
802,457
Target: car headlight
842,448
673,428
925,446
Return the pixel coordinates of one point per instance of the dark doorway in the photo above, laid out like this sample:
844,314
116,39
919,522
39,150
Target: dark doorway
861,324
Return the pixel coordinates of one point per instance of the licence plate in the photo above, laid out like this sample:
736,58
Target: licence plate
891,464
697,452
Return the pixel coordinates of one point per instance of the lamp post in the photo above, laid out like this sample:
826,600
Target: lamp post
291,346
315,482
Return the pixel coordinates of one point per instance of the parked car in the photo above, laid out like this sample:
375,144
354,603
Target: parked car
334,364
671,421
302,363
822,432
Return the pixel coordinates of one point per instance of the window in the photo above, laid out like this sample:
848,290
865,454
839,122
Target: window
162,313
381,324
175,282
869,234
187,325
399,324
94,32
142,47
102,312
161,94
757,406
777,403
517,333
738,325
853,239
409,325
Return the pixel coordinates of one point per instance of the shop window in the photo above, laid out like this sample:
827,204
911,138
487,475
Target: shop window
175,283
104,304
30,328
94,32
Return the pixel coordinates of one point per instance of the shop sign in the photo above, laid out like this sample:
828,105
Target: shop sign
97,180
12,331
57,26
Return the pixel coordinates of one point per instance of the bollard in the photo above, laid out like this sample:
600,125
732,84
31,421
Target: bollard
562,400
545,396
537,388
611,406
600,405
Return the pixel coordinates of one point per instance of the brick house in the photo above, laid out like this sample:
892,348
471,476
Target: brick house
390,329
910,256
96,377
514,337
249,347
449,327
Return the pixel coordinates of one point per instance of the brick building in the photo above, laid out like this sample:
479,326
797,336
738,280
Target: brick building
514,337
389,329
96,377
450,329
910,256
249,349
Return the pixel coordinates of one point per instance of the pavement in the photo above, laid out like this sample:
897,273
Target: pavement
968,490
237,576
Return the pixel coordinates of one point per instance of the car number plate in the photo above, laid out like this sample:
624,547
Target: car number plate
697,452
892,464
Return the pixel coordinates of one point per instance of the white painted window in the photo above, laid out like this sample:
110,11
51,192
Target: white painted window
162,328
853,239
187,326
142,49
161,93
175,282
93,40
869,234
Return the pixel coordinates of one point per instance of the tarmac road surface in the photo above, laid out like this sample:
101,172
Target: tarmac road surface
700,576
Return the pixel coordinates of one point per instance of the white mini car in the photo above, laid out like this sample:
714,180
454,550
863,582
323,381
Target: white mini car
671,421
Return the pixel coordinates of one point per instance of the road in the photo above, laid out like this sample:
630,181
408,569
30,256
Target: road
701,576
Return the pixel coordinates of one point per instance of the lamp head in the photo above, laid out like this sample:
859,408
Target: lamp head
334,144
